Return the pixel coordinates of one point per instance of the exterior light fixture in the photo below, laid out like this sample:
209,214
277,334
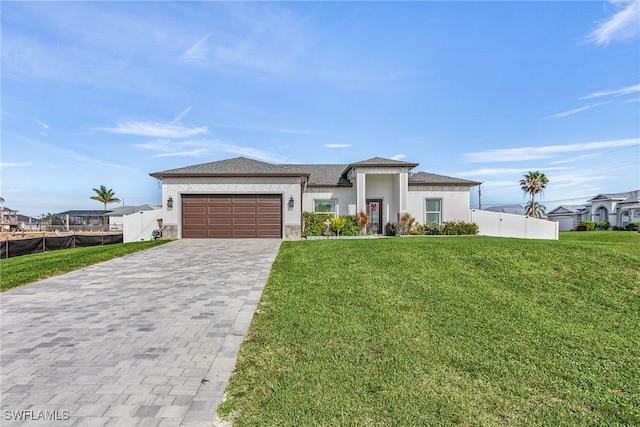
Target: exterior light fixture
291,202
170,203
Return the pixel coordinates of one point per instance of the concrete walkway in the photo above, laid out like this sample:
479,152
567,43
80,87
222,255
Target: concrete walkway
149,339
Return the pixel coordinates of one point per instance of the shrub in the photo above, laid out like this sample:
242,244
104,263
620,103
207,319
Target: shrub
633,226
362,220
590,224
314,223
432,229
407,223
618,228
338,223
351,228
603,225
391,229
450,228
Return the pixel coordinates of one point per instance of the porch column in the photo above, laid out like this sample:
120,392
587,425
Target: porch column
403,188
361,195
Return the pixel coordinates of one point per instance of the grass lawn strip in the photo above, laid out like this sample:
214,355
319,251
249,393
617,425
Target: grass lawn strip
25,269
441,331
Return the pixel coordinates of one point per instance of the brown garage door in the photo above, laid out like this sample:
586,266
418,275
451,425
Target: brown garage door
231,215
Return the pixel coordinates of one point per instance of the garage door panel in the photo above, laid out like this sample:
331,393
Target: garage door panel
232,216
245,210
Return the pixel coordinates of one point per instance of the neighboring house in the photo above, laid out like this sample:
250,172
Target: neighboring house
116,215
81,220
8,219
510,209
241,197
618,209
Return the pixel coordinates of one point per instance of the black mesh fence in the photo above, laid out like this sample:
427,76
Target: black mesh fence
11,248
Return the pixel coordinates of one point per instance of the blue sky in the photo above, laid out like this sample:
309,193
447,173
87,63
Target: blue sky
104,93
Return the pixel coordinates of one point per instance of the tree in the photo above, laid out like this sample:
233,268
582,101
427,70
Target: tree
105,196
534,209
534,183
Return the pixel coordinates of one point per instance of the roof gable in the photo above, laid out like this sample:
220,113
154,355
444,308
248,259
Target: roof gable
629,196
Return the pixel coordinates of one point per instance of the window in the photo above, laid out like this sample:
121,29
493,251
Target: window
325,206
637,213
433,209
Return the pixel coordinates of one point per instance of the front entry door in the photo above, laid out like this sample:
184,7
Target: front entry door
374,209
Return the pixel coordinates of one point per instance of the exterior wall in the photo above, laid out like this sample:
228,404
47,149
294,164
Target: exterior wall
287,187
455,202
565,222
345,198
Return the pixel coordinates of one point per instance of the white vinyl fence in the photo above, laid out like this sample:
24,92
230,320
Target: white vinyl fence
140,225
508,225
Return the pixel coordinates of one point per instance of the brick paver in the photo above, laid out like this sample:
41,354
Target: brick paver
147,339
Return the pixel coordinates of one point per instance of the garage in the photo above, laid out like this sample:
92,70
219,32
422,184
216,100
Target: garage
232,216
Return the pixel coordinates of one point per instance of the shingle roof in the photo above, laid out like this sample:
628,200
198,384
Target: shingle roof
574,209
317,174
324,174
422,178
510,209
629,196
239,166
381,161
127,210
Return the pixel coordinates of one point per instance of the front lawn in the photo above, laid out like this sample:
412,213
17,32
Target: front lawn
443,331
24,269
602,236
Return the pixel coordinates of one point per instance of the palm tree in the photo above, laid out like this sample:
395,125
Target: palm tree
534,209
105,196
534,183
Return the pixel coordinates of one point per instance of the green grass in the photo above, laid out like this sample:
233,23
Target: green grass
443,331
29,268
602,236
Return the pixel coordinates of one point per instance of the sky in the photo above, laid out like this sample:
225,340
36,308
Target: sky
105,93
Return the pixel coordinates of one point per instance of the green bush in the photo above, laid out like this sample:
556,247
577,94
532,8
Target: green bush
450,228
603,225
351,228
432,229
314,223
590,224
633,226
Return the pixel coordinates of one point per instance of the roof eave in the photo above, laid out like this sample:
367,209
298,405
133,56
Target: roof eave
160,175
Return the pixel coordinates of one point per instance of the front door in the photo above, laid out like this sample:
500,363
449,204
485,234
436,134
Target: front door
374,209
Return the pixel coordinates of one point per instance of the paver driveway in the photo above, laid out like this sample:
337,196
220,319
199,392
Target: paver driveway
149,339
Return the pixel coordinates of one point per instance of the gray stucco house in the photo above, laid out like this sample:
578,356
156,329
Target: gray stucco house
242,197
619,209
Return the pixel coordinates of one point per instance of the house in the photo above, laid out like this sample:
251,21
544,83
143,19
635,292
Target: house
81,220
510,209
242,197
9,219
618,209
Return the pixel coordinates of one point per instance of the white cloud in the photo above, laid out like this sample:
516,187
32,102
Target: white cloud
504,171
574,111
44,125
577,158
337,145
621,26
543,152
157,130
398,156
181,116
199,51
15,165
200,148
615,92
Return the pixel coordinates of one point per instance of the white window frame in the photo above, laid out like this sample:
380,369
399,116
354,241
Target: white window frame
335,206
427,212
